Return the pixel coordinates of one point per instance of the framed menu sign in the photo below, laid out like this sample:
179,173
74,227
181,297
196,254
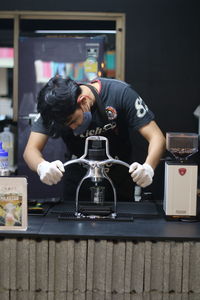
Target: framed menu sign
13,203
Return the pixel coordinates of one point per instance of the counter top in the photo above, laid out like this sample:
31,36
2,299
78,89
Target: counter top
148,223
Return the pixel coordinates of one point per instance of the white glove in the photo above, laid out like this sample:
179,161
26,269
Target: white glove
141,174
50,173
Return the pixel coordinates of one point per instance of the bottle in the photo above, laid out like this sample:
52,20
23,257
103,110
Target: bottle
7,139
4,171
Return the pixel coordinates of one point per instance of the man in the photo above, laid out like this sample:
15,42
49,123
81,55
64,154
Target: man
106,107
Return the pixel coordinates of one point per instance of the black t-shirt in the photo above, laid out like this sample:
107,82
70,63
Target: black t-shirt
126,113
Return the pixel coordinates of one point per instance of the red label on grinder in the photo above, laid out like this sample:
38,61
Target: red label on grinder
182,171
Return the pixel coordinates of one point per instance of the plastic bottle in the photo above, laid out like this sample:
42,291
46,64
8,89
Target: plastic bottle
7,139
4,171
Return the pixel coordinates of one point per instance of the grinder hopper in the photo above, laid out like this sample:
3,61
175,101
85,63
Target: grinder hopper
182,145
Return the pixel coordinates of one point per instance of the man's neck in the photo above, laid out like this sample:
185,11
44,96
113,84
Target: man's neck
96,85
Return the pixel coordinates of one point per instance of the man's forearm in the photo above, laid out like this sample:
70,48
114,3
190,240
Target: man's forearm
33,151
155,151
33,158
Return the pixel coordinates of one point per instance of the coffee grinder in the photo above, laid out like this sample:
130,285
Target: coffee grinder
95,158
180,194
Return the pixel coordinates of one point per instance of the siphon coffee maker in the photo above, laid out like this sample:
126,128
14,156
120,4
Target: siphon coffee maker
181,175
95,159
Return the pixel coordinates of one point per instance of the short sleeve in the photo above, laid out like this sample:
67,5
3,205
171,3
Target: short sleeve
39,127
136,111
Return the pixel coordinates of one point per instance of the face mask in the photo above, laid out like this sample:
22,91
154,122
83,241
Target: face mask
87,118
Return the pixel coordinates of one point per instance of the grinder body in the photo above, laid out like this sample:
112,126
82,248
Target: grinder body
180,197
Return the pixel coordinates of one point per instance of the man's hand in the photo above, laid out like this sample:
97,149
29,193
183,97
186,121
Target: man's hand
142,175
50,173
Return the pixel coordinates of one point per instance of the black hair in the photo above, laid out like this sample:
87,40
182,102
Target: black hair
57,100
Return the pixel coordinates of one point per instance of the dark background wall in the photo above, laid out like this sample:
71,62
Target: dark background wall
162,54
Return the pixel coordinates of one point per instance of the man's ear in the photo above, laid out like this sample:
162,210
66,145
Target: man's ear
80,99
82,102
